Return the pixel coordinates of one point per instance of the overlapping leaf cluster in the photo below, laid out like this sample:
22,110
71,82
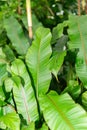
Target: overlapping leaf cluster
28,99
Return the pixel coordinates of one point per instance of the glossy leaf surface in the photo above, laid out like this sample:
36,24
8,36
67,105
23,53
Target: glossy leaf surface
37,60
61,112
56,62
24,95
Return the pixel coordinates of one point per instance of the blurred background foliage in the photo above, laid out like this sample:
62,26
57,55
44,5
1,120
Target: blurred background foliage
49,12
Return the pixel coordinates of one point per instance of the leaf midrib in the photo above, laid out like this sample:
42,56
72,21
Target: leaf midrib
61,114
24,99
82,41
38,62
26,105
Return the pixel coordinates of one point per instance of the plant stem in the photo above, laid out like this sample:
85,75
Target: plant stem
79,11
29,18
50,10
19,8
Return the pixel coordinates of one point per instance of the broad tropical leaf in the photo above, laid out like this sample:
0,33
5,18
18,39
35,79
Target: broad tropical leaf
78,40
24,96
16,35
61,112
37,59
10,120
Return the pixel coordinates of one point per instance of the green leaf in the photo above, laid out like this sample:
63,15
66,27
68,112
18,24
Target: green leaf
1,111
2,97
84,99
9,53
2,56
3,38
3,73
24,95
57,32
60,44
78,40
31,126
44,127
16,35
37,59
10,120
2,125
1,23
61,112
73,88
8,84
56,62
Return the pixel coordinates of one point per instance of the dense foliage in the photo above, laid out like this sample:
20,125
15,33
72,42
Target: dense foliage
43,84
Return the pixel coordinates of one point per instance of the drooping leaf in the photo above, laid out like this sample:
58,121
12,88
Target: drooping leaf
78,40
16,35
61,112
57,32
37,59
56,62
60,44
10,120
24,95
